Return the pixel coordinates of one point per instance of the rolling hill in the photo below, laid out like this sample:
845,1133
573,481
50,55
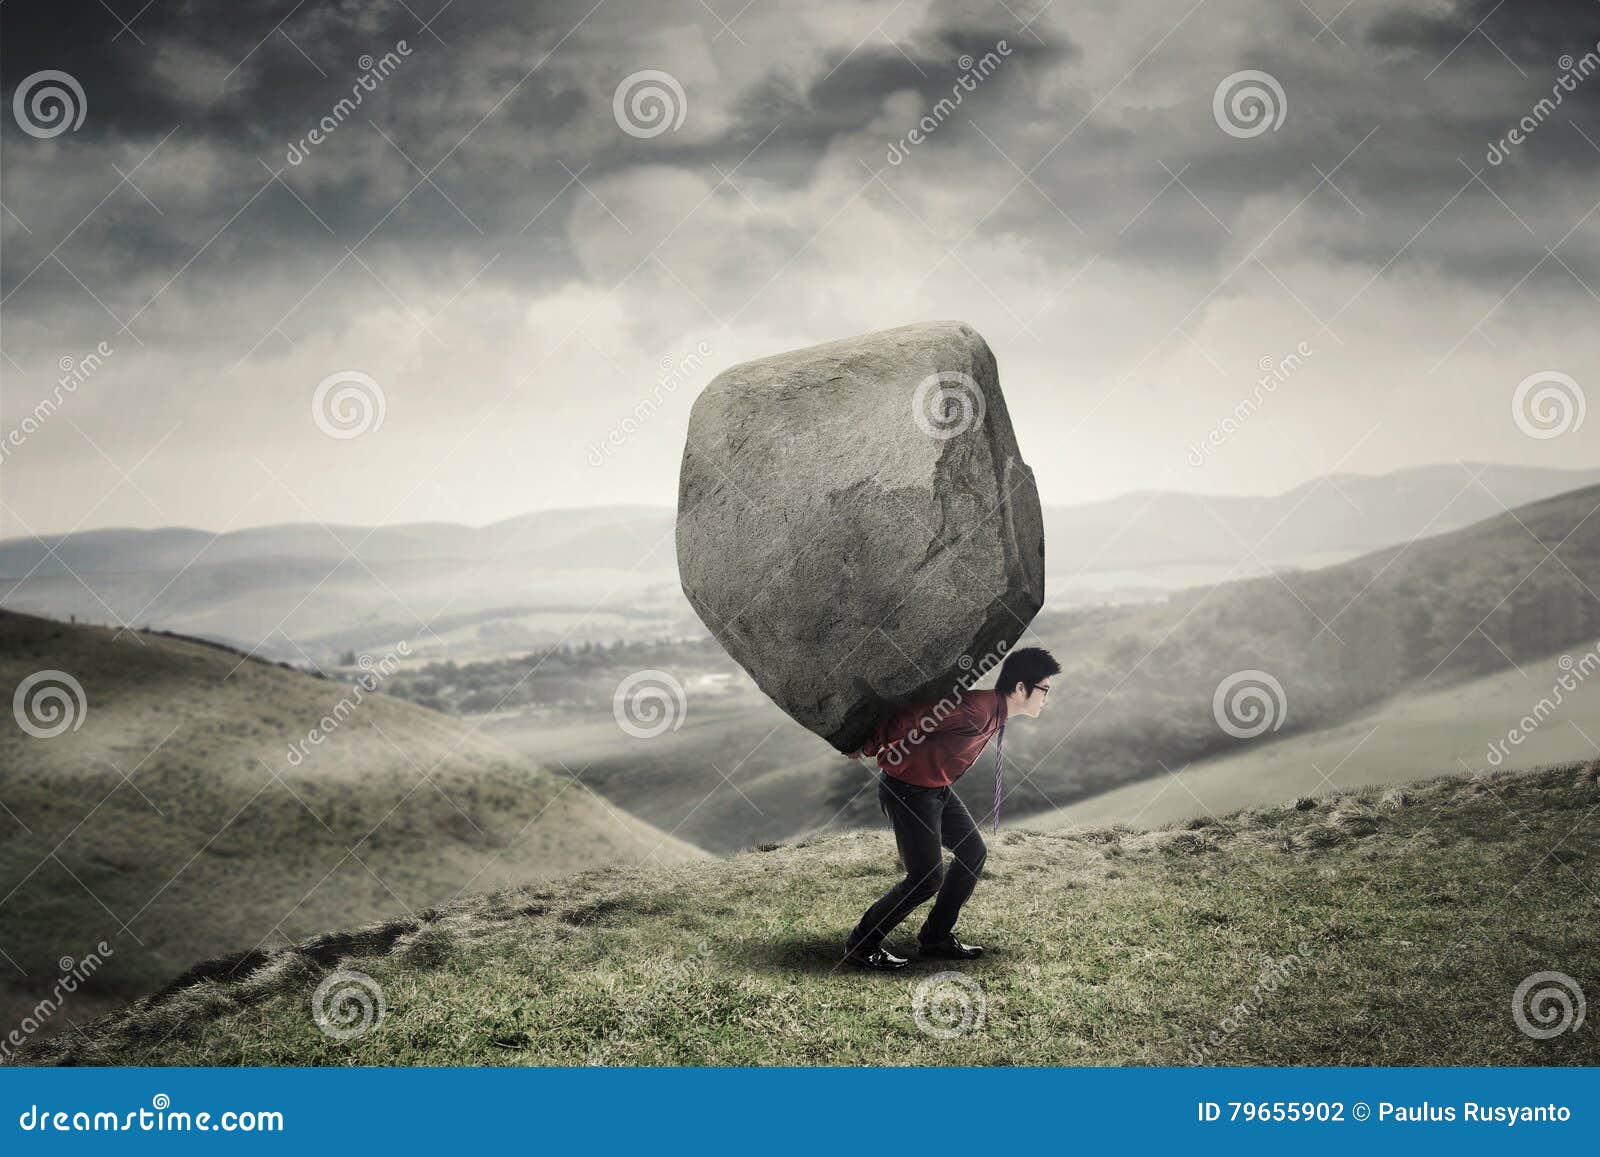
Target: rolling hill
185,808
1139,684
1439,730
1388,926
1137,693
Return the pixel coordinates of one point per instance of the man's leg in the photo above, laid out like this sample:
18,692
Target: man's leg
968,850
914,812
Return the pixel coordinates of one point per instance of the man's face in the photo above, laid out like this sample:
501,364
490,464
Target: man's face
1037,698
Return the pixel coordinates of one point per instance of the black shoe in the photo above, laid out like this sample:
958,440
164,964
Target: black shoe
951,949
877,959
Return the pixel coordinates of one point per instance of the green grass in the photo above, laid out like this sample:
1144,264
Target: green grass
172,824
1413,914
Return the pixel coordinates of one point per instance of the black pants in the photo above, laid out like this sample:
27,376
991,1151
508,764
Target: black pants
924,819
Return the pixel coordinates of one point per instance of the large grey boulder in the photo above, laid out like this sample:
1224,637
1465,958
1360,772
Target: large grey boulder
856,525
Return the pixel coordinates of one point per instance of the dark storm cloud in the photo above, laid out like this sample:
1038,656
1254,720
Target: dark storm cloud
847,92
1529,31
1418,97
502,145
225,87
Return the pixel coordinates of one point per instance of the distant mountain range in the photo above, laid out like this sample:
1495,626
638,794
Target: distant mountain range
305,592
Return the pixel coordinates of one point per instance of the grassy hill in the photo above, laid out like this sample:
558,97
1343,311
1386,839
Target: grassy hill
189,814
1388,926
1137,687
781,779
1138,682
1441,730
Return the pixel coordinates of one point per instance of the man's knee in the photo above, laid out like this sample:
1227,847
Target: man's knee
971,854
925,884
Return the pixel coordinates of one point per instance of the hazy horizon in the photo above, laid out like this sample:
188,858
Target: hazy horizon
502,261
669,507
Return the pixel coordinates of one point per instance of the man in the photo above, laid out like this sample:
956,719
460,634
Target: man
922,749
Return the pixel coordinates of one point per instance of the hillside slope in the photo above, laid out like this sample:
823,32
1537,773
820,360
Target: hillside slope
189,812
1386,927
1413,732
1137,690
1138,684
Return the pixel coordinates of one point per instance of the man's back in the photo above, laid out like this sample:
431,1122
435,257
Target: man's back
932,744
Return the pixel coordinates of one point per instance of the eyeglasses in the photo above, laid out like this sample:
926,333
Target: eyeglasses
1045,687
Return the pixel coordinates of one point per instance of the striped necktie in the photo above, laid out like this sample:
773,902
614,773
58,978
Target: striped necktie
999,759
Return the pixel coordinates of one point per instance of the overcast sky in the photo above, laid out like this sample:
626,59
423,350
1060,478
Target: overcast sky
510,257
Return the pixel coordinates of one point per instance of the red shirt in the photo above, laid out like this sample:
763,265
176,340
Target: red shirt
933,744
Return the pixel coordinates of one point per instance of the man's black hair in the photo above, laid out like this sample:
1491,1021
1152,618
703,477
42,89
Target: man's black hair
1029,666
